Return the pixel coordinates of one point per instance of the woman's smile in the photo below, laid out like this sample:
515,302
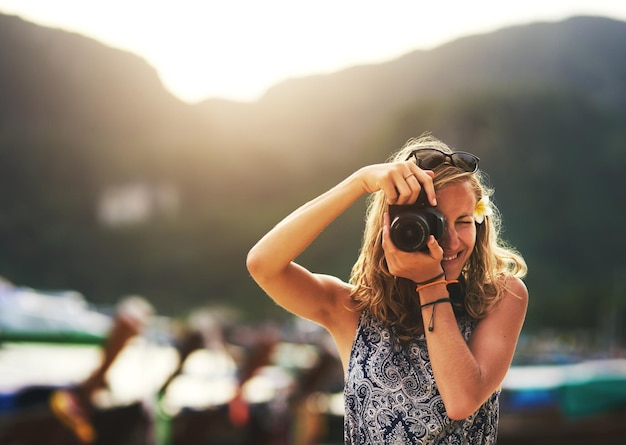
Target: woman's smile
456,202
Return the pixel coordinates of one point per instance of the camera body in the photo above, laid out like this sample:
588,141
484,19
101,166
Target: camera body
412,224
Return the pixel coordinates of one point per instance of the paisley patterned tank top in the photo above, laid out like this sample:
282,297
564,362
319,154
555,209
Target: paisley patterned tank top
391,396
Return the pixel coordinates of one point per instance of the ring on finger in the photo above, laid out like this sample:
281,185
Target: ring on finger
407,177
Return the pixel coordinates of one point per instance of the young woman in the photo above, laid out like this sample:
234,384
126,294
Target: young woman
426,336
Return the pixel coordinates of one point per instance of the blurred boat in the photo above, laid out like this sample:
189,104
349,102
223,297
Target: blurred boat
577,403
29,315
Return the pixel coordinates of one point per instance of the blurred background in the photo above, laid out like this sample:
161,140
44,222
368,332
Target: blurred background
140,159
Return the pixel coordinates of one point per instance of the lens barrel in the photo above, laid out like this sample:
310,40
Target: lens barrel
412,225
409,231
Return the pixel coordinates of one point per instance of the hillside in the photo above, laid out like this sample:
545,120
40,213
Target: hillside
543,105
581,54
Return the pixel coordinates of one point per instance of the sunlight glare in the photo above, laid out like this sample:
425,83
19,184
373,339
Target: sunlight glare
239,48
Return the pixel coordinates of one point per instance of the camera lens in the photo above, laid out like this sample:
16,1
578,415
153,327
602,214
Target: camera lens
409,231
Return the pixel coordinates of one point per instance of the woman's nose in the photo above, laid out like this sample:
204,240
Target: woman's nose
449,239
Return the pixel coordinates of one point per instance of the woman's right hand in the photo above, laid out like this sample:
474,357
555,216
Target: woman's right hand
401,182
417,266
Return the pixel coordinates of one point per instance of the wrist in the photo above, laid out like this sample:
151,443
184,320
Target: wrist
433,304
432,291
435,281
357,183
431,287
439,276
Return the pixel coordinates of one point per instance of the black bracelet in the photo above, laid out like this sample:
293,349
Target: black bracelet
431,303
432,280
431,323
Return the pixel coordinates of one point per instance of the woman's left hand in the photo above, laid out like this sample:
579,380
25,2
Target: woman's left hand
417,266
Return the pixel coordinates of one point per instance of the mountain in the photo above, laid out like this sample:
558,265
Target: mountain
582,54
82,124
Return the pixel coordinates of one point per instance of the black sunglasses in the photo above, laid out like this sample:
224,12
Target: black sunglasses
429,158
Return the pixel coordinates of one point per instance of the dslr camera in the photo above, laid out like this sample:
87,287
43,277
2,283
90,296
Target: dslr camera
412,224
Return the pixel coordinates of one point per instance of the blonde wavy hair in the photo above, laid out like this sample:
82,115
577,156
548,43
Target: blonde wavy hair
486,273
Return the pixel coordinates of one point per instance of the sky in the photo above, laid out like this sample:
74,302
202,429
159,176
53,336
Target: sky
237,49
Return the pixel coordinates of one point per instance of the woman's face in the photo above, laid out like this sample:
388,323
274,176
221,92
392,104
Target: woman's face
457,202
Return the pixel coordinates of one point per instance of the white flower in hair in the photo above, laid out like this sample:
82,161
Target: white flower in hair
482,209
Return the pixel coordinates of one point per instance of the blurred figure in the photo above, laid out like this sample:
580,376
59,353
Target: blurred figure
233,422
74,407
310,398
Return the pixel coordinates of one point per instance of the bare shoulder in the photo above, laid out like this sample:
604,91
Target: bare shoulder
516,290
512,306
510,310
496,334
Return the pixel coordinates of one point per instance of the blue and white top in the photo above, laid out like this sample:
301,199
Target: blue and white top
391,396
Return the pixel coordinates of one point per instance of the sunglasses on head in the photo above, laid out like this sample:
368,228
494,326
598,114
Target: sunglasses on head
429,158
